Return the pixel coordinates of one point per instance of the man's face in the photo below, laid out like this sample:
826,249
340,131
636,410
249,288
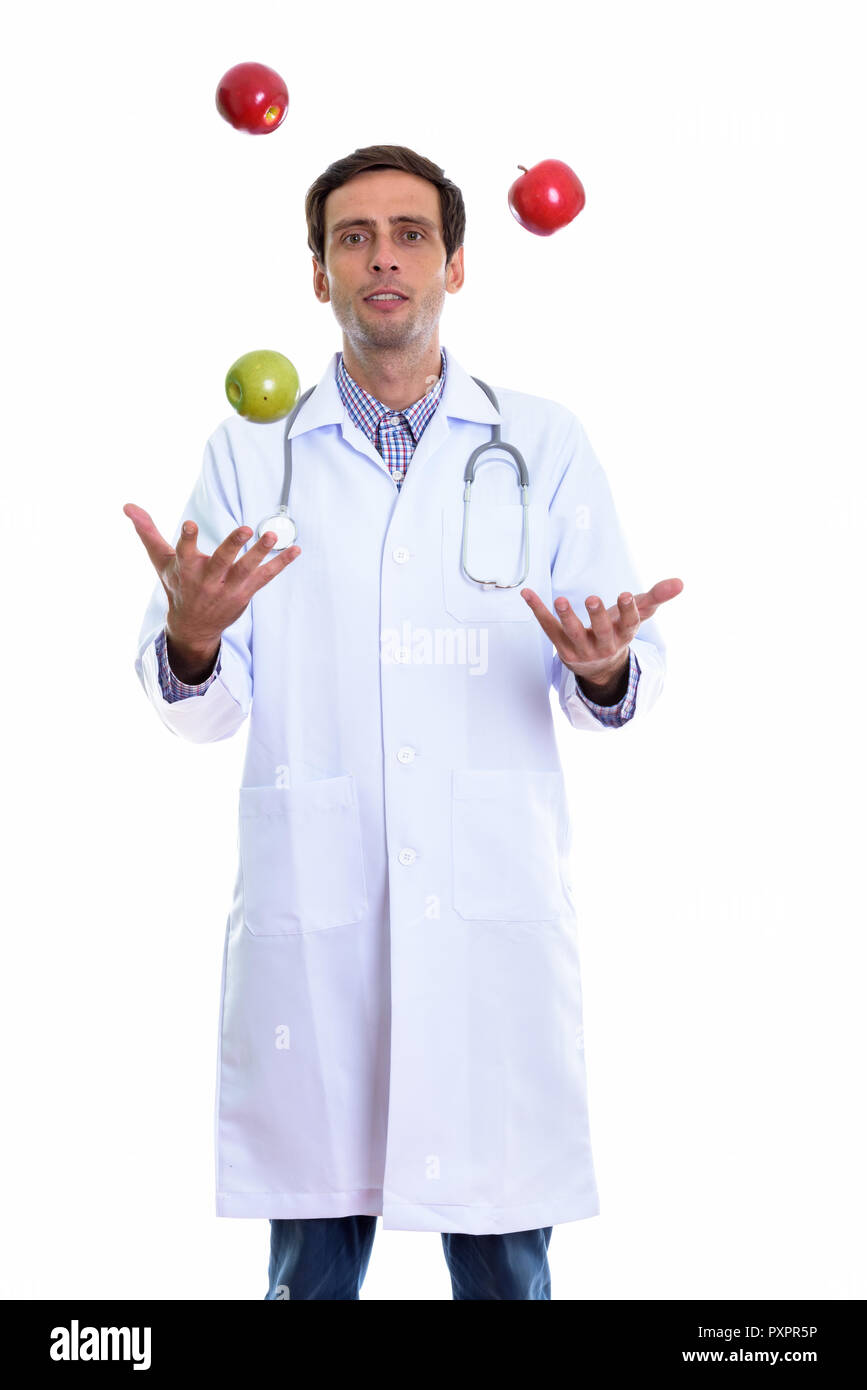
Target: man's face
408,255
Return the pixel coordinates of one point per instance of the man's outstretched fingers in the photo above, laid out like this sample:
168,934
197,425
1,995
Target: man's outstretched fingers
226,552
264,573
158,549
256,554
547,621
661,592
599,619
572,624
569,636
187,546
630,618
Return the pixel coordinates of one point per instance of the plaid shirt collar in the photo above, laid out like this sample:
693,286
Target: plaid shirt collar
366,411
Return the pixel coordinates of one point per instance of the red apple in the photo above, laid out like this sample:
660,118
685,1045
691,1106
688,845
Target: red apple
252,97
546,197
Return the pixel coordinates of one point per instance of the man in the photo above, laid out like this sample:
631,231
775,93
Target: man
400,1028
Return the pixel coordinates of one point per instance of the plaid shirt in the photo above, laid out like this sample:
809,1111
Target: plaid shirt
394,434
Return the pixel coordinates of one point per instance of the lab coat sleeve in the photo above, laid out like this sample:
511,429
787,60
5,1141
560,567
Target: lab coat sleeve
217,713
589,555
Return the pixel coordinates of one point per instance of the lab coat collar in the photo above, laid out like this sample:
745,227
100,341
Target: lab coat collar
462,399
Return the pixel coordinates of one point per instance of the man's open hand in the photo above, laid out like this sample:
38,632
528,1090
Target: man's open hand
207,593
599,654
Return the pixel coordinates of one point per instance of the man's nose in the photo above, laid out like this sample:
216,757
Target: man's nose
382,253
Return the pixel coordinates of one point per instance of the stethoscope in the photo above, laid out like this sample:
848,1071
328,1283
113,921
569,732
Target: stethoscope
286,530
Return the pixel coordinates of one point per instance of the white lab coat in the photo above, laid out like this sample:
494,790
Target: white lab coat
401,1016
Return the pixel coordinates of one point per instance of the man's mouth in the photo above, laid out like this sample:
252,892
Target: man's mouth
386,303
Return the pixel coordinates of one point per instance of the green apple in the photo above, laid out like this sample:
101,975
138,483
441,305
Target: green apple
262,386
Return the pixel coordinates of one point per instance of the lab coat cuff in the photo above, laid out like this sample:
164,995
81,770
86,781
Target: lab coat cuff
172,687
646,675
623,710
205,718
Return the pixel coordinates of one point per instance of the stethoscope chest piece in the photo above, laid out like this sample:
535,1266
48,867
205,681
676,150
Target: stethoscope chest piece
281,523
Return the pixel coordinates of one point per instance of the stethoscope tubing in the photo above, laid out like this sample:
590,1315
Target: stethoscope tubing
281,520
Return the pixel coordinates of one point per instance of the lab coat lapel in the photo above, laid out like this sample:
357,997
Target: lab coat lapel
462,399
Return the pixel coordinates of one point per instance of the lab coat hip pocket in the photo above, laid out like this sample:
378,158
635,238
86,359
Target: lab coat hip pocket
509,830
301,857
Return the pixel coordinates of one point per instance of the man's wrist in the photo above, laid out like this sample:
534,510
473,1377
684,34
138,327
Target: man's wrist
191,663
611,689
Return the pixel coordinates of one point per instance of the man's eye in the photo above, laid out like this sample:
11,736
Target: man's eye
409,232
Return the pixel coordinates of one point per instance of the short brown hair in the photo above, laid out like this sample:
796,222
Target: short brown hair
454,218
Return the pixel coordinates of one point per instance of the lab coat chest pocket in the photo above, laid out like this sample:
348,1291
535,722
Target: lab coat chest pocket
494,551
508,830
301,857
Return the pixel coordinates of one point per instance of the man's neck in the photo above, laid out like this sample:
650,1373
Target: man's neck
392,379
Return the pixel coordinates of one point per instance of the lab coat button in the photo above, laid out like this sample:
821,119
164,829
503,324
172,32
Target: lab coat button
401,654
400,554
405,755
406,856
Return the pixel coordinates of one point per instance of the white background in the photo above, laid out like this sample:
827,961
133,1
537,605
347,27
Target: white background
704,317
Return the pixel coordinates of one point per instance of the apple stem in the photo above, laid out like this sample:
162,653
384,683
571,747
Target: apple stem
521,166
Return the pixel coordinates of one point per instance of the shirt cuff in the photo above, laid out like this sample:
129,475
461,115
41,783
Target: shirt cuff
172,688
622,712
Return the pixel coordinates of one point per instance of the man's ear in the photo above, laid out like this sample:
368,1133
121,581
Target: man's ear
455,271
320,283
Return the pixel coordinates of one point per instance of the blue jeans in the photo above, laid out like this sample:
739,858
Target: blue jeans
327,1257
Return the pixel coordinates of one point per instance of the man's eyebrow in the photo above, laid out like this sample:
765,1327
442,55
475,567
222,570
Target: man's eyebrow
370,222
